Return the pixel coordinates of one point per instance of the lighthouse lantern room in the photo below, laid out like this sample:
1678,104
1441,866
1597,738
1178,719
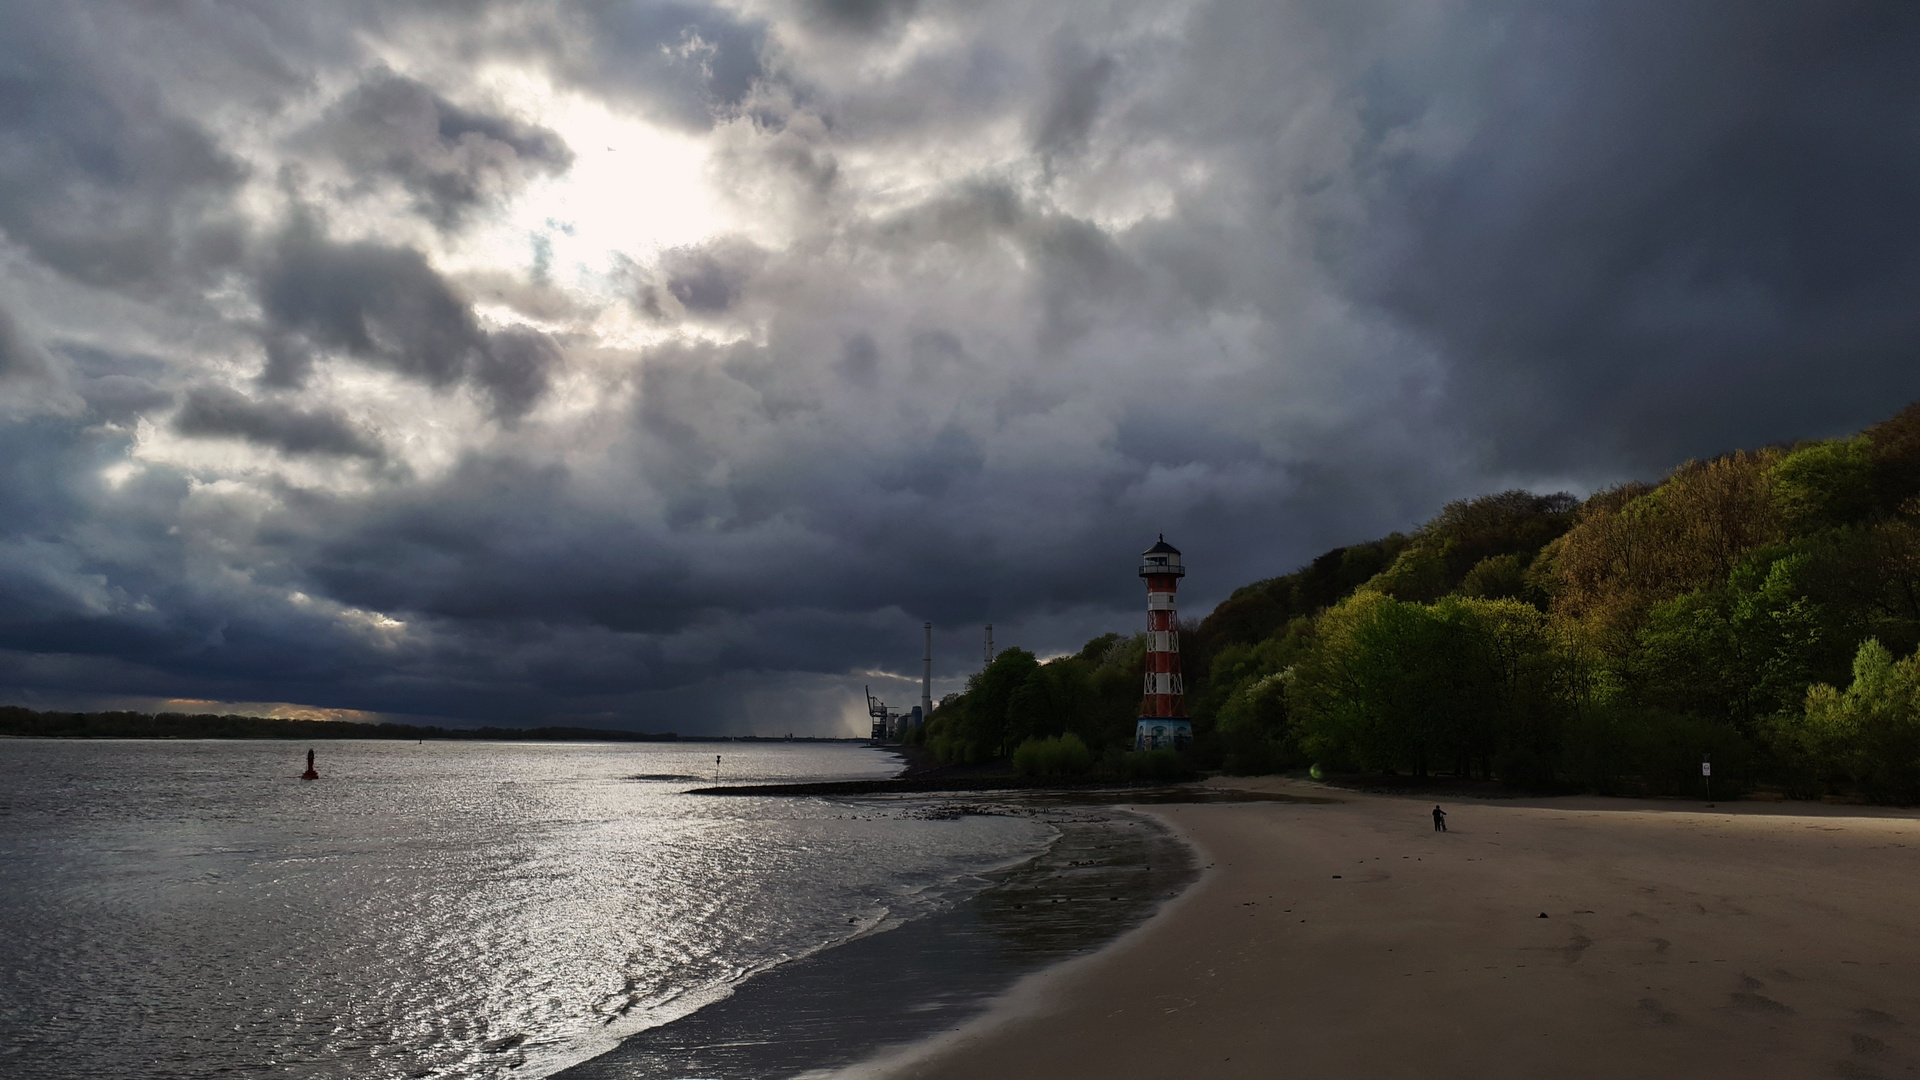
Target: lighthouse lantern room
1163,712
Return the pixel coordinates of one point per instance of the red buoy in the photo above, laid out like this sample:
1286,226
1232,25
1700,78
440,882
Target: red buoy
309,774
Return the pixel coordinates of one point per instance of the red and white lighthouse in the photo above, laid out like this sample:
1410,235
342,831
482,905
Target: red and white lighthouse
1163,710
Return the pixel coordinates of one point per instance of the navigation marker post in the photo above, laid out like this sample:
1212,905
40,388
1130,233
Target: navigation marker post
1706,773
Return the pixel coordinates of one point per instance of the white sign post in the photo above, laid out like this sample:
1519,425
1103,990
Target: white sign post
1706,771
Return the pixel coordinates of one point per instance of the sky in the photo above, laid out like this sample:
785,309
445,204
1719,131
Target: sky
665,364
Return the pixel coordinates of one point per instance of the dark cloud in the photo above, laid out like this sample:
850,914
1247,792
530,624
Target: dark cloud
689,63
374,301
862,15
452,160
386,305
1026,286
106,187
709,279
1072,101
1664,228
704,286
860,359
117,387
32,381
21,357
123,398
216,412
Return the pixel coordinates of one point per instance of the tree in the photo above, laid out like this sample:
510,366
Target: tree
1635,547
1496,577
1418,573
1868,734
1739,652
1824,484
1372,692
976,726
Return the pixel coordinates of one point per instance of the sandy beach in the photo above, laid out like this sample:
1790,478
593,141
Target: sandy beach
1351,940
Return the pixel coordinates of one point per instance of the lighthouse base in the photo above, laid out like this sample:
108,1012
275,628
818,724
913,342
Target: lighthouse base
1162,733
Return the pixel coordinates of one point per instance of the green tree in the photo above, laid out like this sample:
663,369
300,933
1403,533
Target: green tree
1868,734
1825,484
1418,573
1371,694
1496,577
1739,652
1255,728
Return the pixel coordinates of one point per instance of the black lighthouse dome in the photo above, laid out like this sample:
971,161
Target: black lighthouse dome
1161,559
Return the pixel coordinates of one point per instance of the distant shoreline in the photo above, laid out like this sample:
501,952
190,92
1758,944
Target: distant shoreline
18,722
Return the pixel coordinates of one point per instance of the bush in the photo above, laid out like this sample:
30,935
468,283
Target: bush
951,749
1167,765
1867,735
1059,756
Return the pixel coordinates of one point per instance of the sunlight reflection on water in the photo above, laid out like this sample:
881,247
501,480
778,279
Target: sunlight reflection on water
446,910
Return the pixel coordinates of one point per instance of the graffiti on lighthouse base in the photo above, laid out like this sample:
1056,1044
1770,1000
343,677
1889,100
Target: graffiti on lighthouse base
1162,734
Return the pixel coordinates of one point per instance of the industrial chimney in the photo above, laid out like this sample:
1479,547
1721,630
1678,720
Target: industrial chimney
926,680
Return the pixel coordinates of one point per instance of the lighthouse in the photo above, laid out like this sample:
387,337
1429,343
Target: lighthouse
1163,710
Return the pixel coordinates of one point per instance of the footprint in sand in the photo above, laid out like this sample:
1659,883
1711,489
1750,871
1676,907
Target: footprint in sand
1659,1011
1661,945
1747,998
1760,1003
1875,1016
1868,1046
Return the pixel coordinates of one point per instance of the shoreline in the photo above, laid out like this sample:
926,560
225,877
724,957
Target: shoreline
1028,999
876,993
941,785
1349,939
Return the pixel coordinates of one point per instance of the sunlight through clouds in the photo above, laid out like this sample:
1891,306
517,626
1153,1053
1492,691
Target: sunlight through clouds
634,189
595,359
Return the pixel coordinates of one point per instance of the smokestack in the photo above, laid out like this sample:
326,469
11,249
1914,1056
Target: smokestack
926,680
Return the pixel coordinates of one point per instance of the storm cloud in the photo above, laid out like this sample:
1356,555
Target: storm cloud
217,412
666,364
386,305
452,160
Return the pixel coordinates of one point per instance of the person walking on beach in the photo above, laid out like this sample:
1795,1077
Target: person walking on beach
1439,820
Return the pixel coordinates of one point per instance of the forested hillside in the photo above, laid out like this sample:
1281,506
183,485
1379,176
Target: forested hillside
1762,607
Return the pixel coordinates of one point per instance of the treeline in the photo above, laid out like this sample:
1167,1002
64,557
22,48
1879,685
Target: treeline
133,725
1762,608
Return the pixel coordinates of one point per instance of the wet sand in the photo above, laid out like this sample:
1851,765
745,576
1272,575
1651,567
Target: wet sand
1104,873
1350,940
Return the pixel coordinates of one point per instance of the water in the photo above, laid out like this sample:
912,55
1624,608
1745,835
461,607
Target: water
189,909
845,1006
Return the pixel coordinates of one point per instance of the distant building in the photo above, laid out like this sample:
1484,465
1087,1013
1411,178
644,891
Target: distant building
899,724
888,725
1163,721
